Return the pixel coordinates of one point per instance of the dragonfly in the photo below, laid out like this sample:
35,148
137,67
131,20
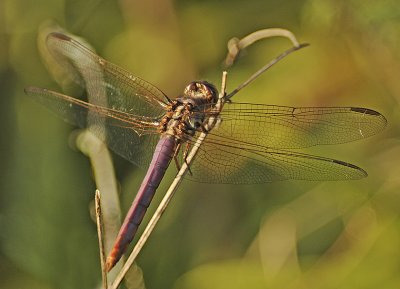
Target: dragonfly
251,143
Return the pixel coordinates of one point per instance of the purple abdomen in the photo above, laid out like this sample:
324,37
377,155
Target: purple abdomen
162,156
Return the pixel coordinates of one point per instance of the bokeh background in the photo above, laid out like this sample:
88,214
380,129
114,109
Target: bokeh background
282,235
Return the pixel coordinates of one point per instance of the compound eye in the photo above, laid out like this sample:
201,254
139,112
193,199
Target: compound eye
190,88
195,86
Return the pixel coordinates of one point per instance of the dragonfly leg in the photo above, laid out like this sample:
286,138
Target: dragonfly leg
203,128
185,154
178,147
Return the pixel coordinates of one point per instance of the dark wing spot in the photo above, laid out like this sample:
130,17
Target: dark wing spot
351,166
365,110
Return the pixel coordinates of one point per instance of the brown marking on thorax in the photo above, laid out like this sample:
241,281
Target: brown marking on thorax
176,119
183,117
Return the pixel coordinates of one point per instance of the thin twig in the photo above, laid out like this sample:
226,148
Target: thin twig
223,85
264,68
235,45
170,193
99,222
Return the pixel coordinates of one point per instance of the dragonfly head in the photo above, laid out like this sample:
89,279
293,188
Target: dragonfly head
202,92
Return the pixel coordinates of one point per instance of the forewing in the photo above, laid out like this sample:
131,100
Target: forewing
283,127
105,83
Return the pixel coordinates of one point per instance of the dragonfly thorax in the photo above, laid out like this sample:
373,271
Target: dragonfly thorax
187,113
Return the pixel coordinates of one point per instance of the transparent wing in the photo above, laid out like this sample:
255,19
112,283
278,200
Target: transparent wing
285,127
130,136
250,143
225,163
105,83
122,110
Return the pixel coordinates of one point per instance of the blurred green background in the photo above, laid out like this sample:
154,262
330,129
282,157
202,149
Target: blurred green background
280,235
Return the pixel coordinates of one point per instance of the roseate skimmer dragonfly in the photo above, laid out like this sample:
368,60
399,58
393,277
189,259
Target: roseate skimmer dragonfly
253,143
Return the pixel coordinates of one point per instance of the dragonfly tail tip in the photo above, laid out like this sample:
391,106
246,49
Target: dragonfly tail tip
110,263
